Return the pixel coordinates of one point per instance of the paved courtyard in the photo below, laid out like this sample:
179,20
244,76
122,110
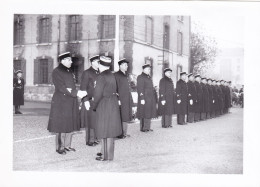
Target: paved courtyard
214,146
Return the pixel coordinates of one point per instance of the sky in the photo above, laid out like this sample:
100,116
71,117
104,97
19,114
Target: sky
227,30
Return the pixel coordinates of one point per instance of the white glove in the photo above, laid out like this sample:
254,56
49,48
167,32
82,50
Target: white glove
163,102
191,102
119,102
179,101
69,89
81,94
213,101
87,105
142,102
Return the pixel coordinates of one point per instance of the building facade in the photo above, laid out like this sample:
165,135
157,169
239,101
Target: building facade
162,41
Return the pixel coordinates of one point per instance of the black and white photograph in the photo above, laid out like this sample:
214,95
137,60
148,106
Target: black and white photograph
132,91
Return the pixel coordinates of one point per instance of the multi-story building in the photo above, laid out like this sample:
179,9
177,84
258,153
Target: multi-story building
162,41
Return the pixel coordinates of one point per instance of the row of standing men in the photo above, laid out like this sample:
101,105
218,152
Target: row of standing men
106,102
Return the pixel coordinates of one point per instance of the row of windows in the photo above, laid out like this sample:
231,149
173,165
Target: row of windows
74,24
149,35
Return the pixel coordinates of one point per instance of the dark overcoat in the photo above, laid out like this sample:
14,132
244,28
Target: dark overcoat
166,93
210,98
192,95
108,123
220,98
146,92
125,96
224,93
198,106
214,98
88,117
181,94
64,114
18,92
205,98
227,97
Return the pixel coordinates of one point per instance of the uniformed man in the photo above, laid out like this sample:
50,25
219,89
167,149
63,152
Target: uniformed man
198,105
146,107
210,90
223,96
192,98
205,99
88,116
231,93
64,114
108,123
181,99
219,99
125,96
18,91
228,97
214,99
166,98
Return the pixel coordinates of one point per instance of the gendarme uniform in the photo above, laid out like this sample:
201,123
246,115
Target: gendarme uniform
146,107
125,97
181,100
18,92
64,113
166,100
88,116
108,123
192,98
205,100
198,105
210,98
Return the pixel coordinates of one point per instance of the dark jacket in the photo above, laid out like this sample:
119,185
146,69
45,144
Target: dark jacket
146,92
214,97
108,123
88,80
223,95
192,95
64,113
18,92
181,94
210,98
166,93
125,96
199,104
219,98
205,98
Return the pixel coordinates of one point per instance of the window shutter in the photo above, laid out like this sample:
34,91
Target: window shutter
36,72
50,69
23,68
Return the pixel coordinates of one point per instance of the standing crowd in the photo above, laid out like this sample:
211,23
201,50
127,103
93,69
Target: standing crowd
103,104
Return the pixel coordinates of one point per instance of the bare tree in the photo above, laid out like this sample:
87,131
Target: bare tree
203,50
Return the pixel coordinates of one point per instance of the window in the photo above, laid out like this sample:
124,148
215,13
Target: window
18,31
44,30
108,26
43,76
74,28
166,41
149,30
17,65
180,43
43,67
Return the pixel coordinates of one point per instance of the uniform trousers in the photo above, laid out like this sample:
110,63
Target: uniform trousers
90,135
213,114
190,117
197,116
203,115
145,124
166,121
208,115
107,148
63,140
181,119
124,127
